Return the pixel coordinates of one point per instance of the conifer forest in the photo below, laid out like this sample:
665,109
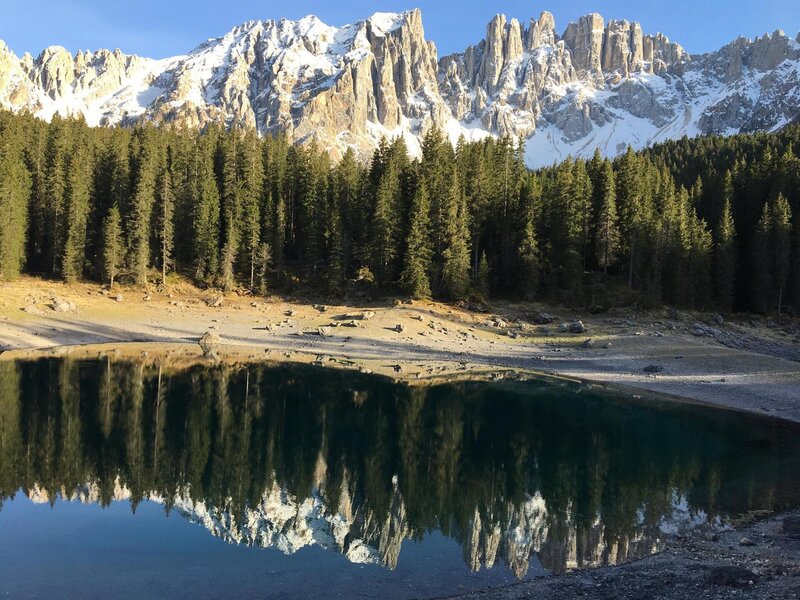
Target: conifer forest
709,223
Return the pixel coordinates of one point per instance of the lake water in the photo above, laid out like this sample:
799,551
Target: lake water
125,480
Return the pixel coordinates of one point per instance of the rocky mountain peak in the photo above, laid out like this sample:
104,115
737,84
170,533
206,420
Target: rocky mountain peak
598,85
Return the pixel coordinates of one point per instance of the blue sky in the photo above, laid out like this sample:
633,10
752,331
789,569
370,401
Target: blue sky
163,28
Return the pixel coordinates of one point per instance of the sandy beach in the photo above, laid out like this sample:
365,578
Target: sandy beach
744,364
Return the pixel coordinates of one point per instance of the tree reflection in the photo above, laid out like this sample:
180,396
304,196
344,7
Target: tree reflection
290,456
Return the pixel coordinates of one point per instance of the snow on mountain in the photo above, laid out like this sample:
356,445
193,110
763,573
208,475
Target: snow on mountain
597,85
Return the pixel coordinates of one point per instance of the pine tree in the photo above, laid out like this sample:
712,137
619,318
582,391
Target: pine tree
606,232
263,259
415,277
112,245
482,278
231,211
761,261
205,214
52,221
138,220
15,187
76,212
725,250
165,226
384,242
456,255
251,168
781,222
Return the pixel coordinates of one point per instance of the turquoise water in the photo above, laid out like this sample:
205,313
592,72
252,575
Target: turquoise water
125,480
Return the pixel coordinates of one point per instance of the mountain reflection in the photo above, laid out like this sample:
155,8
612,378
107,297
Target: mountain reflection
287,457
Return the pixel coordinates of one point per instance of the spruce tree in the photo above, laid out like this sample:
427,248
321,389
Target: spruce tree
606,231
415,277
456,255
482,278
781,221
761,261
15,187
725,250
252,189
146,159
112,245
165,226
76,212
231,214
205,214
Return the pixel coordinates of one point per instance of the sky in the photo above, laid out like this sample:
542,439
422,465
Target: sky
161,28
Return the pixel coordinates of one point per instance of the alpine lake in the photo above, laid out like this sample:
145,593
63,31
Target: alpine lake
126,479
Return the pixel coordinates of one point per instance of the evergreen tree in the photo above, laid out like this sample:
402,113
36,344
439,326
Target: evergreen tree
15,186
76,212
146,159
606,232
205,214
112,245
165,226
231,211
415,277
781,221
482,279
52,221
251,168
725,250
455,256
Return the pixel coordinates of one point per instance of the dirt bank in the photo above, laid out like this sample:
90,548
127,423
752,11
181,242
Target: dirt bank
746,364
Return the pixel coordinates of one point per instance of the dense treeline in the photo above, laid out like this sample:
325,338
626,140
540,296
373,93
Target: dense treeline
704,223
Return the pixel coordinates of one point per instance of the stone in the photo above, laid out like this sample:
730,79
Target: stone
574,327
210,344
59,305
119,298
399,328
588,344
324,331
731,576
33,310
321,308
746,542
543,318
366,316
791,525
215,302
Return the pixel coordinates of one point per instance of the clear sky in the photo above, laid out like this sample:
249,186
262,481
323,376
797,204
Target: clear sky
159,28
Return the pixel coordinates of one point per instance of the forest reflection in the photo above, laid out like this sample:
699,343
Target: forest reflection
291,456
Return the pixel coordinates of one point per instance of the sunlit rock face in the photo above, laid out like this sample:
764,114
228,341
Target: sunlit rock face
597,85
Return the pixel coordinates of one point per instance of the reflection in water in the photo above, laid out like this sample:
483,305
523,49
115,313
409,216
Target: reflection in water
288,457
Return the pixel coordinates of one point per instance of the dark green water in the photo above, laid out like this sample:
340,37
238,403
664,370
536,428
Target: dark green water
123,480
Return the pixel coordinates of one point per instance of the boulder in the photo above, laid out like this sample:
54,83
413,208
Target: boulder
543,318
60,305
731,576
791,525
210,343
574,327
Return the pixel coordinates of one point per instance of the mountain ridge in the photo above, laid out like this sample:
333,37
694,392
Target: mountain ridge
598,85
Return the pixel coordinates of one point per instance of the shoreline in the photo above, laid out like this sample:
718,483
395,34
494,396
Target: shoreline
741,365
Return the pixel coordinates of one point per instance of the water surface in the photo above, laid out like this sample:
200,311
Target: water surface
128,480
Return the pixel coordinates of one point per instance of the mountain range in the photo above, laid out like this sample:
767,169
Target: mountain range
597,85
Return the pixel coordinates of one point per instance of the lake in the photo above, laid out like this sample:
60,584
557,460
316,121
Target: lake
127,480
